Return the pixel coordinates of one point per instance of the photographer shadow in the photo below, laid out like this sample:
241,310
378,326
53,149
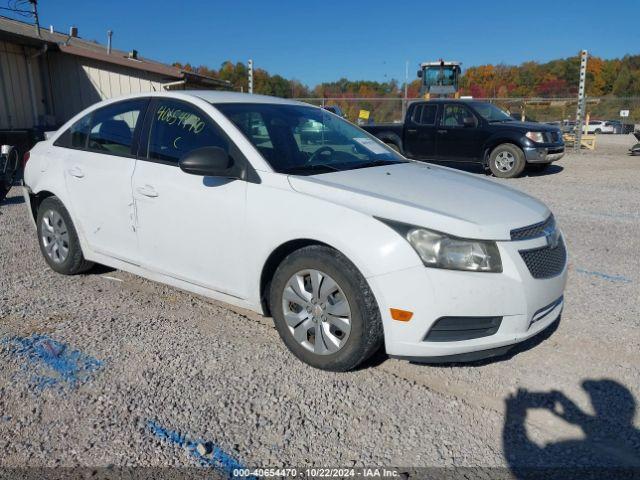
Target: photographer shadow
611,443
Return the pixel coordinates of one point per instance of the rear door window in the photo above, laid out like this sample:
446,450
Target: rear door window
112,127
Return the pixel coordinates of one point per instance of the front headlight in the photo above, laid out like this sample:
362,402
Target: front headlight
439,250
537,137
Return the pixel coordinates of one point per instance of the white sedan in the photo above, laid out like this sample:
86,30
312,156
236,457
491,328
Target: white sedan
346,244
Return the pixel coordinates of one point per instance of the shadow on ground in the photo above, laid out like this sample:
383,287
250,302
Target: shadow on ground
479,169
610,447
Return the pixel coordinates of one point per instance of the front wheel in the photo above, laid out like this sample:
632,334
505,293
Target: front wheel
506,161
324,309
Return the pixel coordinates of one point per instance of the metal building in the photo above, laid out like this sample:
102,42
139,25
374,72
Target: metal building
46,77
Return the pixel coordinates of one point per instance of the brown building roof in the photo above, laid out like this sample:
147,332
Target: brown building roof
26,34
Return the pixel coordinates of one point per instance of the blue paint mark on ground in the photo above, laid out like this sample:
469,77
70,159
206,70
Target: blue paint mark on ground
605,276
217,458
50,363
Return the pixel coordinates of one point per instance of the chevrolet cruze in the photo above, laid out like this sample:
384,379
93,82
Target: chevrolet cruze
345,243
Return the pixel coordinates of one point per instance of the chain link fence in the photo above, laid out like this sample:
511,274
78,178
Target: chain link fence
391,109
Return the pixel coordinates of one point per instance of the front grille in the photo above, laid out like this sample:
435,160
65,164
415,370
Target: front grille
552,137
533,231
545,262
455,329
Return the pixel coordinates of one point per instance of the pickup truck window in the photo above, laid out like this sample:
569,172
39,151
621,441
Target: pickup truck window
306,140
491,113
425,114
454,115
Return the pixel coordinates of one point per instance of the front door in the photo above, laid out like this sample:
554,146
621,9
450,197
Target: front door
420,132
459,135
189,227
99,164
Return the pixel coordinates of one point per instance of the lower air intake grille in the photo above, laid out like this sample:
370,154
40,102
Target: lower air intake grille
451,329
545,262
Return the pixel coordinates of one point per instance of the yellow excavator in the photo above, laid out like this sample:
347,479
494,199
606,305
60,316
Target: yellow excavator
439,79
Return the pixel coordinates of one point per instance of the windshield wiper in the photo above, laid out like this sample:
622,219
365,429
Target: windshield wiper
310,168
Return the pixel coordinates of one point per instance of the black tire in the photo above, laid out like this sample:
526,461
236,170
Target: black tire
393,146
598,131
10,173
518,161
4,190
74,262
366,334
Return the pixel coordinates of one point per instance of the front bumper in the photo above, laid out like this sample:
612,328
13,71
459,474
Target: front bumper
543,154
526,305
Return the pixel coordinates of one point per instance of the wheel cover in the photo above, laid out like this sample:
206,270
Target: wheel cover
505,161
316,311
55,236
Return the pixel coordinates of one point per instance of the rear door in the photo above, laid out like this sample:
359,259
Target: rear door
99,165
458,140
420,132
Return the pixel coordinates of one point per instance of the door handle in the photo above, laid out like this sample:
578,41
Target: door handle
411,130
442,132
147,191
76,172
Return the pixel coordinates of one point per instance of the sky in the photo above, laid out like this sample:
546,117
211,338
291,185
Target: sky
317,41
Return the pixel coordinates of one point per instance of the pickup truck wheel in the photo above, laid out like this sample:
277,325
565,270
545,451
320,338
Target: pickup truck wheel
507,161
324,310
393,146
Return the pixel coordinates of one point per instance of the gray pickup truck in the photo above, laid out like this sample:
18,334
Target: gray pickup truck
472,131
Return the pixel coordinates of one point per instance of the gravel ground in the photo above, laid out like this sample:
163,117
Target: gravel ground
108,369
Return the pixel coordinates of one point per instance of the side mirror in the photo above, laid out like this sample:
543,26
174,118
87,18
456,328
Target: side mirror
419,74
469,122
209,162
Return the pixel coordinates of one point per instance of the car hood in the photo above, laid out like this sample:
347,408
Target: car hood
430,196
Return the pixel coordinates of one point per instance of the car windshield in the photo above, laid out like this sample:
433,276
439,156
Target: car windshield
301,140
491,113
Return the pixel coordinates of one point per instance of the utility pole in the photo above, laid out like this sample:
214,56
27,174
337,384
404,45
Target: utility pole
582,101
250,66
34,10
406,88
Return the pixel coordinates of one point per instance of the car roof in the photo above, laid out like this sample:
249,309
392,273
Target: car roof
214,96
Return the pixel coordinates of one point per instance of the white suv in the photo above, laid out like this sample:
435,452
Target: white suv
347,244
599,126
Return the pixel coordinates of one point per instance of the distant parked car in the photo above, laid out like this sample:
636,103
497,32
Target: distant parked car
599,126
619,127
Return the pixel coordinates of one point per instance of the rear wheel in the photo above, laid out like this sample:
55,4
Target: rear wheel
324,309
58,238
506,161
